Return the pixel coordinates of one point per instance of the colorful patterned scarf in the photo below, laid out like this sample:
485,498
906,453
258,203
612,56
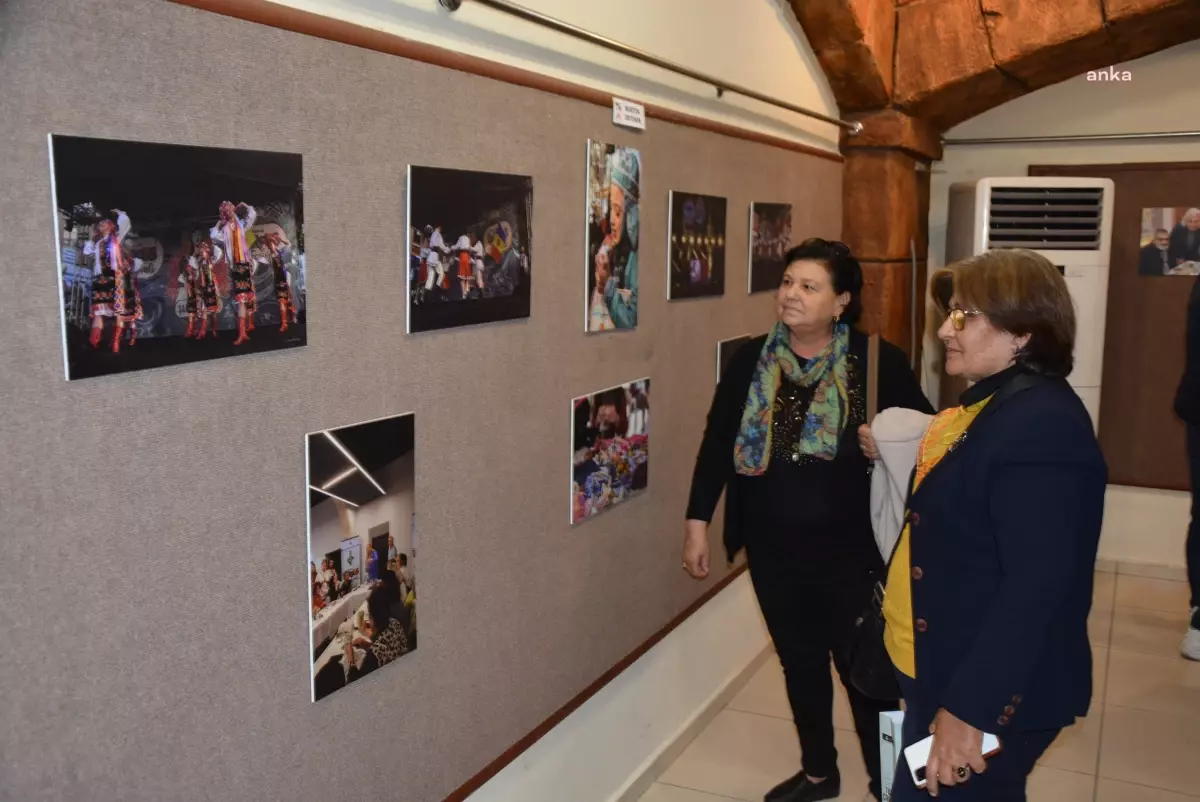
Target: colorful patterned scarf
826,414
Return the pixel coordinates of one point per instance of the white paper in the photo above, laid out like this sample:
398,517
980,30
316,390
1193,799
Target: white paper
629,114
890,747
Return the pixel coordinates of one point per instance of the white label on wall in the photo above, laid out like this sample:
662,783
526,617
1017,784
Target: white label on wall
629,114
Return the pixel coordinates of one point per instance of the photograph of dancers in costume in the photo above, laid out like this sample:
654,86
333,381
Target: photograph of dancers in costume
770,239
188,263
611,448
614,187
114,294
469,240
361,550
696,246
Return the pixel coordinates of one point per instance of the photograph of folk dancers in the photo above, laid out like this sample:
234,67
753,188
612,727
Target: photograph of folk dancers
614,187
171,254
770,239
611,452
361,550
470,240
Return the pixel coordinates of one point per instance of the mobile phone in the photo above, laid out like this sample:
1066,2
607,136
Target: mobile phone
917,756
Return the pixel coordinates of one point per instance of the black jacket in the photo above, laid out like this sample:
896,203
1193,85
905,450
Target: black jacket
1004,533
1152,261
714,471
1187,399
1179,249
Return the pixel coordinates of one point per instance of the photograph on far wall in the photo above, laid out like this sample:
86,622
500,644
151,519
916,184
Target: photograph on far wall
770,239
725,351
614,187
611,448
361,550
169,254
470,247
1170,241
696,246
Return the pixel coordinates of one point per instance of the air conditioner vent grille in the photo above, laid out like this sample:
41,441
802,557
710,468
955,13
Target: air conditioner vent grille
1057,219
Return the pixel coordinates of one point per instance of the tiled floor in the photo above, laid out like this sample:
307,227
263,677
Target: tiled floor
1141,743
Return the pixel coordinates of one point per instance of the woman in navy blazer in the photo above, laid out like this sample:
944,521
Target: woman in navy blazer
989,592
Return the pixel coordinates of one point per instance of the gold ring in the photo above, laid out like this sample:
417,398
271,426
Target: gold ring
962,772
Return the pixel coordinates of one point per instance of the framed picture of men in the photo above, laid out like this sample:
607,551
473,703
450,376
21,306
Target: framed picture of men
770,239
169,254
470,247
1170,241
614,188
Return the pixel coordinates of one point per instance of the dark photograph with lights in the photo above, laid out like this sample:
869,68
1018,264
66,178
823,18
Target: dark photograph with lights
770,239
362,550
697,246
470,247
171,254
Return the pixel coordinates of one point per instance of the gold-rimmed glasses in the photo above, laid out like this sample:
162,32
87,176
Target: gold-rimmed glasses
958,316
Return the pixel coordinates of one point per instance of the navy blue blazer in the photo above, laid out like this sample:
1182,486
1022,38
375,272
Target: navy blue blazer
1004,533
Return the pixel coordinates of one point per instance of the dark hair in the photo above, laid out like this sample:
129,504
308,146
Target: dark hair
403,558
1020,292
844,271
379,606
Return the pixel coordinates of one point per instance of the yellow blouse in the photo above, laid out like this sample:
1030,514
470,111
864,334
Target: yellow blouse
943,432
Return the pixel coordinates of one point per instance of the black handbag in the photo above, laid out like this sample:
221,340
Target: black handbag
871,669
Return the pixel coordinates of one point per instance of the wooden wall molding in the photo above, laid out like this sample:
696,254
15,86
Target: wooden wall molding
307,23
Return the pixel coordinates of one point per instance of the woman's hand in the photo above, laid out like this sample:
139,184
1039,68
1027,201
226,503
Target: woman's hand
956,744
866,441
695,549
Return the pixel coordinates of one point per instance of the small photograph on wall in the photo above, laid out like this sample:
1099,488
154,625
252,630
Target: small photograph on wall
470,247
361,550
614,182
1170,241
611,448
725,351
696,244
169,254
770,239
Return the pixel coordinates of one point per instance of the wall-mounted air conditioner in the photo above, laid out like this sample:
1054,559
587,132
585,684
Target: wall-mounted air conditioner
1067,220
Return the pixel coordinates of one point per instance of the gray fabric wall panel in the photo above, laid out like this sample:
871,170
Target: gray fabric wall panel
153,601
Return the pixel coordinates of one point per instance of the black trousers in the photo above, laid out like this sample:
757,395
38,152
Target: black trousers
1193,536
810,612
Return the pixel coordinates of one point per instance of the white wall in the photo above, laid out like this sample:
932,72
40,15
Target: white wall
755,43
1146,526
599,752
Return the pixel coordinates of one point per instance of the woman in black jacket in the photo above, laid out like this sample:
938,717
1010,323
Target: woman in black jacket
783,441
989,591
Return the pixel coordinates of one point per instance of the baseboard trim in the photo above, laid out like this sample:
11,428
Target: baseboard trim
666,755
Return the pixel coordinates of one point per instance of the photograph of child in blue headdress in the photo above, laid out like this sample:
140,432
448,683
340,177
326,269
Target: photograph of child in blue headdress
614,187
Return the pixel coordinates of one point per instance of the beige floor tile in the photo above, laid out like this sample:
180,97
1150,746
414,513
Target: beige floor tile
1106,566
1104,591
1155,684
670,793
1054,785
1100,626
766,695
1148,631
1077,748
1100,668
1113,791
1171,572
1153,594
1151,749
743,755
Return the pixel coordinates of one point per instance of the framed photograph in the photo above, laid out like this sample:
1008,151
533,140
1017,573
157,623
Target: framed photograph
361,550
470,245
169,254
695,246
770,239
1170,242
725,351
610,455
614,187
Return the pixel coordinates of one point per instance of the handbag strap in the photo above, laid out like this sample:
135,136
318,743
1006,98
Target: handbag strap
872,377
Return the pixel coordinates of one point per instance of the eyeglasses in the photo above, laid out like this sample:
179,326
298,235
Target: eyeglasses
958,317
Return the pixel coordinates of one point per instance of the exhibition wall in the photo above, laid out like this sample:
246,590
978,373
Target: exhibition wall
1140,525
142,684
754,43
